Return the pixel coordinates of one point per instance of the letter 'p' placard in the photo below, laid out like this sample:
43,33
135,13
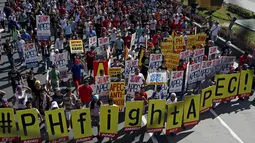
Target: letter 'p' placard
133,115
191,110
156,114
206,99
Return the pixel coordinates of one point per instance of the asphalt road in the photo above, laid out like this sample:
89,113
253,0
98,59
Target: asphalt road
229,123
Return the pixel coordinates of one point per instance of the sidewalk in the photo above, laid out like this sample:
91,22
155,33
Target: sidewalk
247,4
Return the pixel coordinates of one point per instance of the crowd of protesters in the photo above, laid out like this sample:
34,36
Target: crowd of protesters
152,20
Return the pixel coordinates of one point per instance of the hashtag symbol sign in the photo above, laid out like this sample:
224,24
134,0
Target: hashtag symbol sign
5,123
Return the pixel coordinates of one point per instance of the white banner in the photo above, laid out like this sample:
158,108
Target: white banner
30,55
130,66
227,62
157,78
198,55
103,41
194,73
43,27
206,68
134,84
92,40
176,81
132,40
185,55
103,87
212,50
216,66
60,60
155,61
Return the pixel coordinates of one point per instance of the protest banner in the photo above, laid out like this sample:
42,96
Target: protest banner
8,133
232,81
81,125
30,54
102,87
134,84
103,41
226,63
198,55
201,39
245,85
185,55
43,27
28,125
172,61
76,46
178,43
216,66
156,113
60,60
174,117
133,115
191,110
141,57
100,65
114,72
194,73
92,41
132,40
109,116
191,41
165,88
167,46
207,98
157,78
155,61
212,51
205,70
176,81
117,93
130,66
56,125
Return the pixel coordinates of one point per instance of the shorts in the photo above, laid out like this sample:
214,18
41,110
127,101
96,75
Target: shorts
77,82
95,121
68,115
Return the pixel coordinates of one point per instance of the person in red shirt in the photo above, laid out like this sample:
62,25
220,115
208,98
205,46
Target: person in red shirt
143,93
128,40
90,57
115,23
62,11
85,93
156,38
245,59
181,66
106,22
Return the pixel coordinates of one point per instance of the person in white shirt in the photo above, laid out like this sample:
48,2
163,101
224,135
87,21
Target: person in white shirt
20,45
153,24
142,40
2,17
172,99
63,23
214,31
21,97
59,44
28,7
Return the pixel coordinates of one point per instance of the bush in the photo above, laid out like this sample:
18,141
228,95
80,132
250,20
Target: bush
240,11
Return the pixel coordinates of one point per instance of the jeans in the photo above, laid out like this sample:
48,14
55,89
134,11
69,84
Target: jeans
10,59
46,61
214,38
21,56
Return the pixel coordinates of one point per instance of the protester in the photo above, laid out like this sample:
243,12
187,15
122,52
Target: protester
85,93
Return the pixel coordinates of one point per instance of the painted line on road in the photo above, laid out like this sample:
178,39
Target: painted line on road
226,126
144,121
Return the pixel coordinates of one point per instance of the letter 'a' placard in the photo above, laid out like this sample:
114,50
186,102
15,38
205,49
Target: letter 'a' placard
245,85
81,124
156,113
174,117
29,125
206,98
56,125
109,117
133,115
191,110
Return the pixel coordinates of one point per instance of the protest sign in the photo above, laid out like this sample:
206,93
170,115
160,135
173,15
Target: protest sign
133,115
207,98
92,40
226,63
233,83
43,27
103,41
156,113
178,43
141,57
8,134
100,65
132,40
245,85
134,84
191,110
194,73
30,54
56,125
174,117
164,88
60,60
155,61
201,39
205,70
185,55
114,72
102,87
117,93
81,125
212,50
176,81
172,61
216,66
109,116
191,41
130,66
28,125
198,55
76,46
157,78
167,46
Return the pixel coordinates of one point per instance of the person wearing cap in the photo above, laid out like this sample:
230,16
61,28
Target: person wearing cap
41,98
244,59
15,78
94,106
58,96
54,77
85,93
172,99
21,97
214,31
77,72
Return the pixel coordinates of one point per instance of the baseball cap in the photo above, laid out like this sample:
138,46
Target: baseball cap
4,100
54,104
37,82
96,97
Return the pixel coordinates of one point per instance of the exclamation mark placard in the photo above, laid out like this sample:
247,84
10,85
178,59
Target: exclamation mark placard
246,81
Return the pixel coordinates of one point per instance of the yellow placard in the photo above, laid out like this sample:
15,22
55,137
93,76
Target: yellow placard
245,85
28,125
141,57
156,113
232,82
191,41
114,72
201,39
76,46
172,61
178,43
56,125
117,92
133,115
9,131
174,117
191,110
207,98
109,117
81,124
221,88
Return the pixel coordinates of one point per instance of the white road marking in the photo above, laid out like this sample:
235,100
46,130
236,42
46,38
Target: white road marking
226,126
144,122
